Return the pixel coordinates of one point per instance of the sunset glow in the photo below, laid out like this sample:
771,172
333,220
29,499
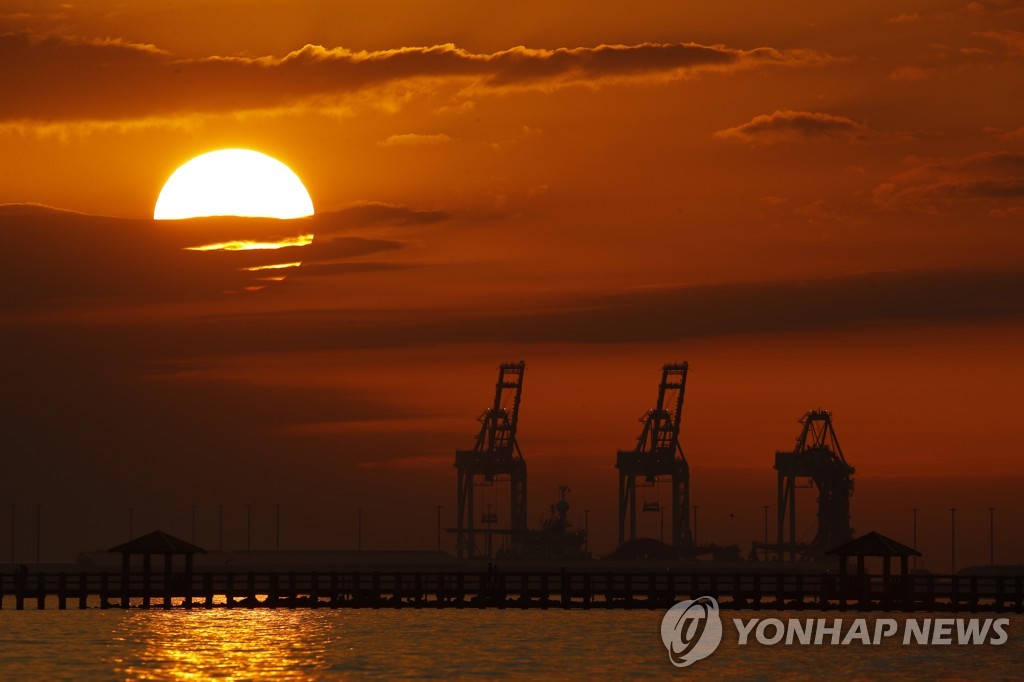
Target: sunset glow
261,260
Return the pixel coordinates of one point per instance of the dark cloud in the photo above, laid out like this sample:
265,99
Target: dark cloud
905,18
521,64
1012,40
57,258
318,269
994,7
670,314
974,8
61,78
785,306
348,247
376,214
990,181
795,125
1008,188
51,257
415,140
910,73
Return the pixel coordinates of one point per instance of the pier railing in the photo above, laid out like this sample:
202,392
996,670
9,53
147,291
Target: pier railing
507,589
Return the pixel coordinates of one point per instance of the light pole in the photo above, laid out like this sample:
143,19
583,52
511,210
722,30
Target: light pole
489,517
586,530
193,524
661,521
359,536
277,532
766,532
438,528
12,533
694,525
220,532
952,540
39,532
991,536
248,527
915,535
131,523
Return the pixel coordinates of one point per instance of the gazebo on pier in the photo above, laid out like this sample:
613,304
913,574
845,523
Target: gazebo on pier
874,545
158,543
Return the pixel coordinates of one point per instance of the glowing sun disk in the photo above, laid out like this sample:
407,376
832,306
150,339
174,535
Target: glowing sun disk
233,182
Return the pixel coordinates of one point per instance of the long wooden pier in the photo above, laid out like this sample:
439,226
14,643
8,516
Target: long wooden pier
493,589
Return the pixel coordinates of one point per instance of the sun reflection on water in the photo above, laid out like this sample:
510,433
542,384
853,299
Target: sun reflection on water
241,644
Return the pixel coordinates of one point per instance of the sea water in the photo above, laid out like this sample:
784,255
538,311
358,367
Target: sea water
441,644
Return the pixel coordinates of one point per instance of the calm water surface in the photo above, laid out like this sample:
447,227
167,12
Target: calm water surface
349,644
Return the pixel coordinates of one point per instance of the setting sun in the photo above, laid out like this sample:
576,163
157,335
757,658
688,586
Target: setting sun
235,182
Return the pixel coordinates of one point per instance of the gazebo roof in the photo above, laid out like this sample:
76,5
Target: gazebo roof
157,542
873,544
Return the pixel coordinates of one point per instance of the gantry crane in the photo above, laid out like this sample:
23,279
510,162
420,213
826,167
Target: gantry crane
494,457
818,459
658,455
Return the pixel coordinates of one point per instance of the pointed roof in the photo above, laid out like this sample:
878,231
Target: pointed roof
873,544
157,542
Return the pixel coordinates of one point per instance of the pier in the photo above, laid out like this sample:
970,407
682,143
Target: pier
497,589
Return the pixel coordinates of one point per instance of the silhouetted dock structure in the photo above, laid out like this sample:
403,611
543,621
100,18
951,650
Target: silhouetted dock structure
173,581
494,589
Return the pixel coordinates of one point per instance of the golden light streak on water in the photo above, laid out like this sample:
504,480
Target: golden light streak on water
200,645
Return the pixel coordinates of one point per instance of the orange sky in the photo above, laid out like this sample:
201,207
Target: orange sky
815,206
